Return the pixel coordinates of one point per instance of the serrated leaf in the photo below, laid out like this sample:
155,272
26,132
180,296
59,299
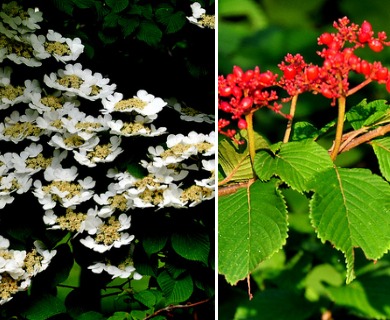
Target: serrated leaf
381,148
304,130
173,21
175,290
44,307
252,226
149,32
192,244
350,208
117,5
235,160
106,38
296,163
128,25
110,20
154,242
358,115
148,297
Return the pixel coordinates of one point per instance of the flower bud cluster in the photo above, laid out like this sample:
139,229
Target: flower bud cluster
241,93
244,92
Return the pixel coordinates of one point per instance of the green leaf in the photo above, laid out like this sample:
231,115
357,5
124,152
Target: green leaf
154,242
367,296
358,115
117,5
128,25
149,32
234,159
296,163
64,6
350,208
91,315
148,297
44,307
381,148
120,315
192,244
145,11
173,21
106,38
304,130
111,20
84,4
273,304
317,280
252,226
175,290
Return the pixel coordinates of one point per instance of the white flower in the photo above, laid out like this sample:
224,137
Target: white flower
90,243
101,153
63,49
53,102
70,141
140,127
23,21
190,114
143,103
5,76
19,127
200,18
57,173
86,126
80,82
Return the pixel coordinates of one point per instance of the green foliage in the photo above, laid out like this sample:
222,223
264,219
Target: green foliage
252,226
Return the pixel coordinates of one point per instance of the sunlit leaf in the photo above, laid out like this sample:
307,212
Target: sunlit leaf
252,226
350,208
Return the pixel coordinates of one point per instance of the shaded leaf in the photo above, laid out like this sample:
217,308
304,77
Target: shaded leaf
368,296
149,32
175,290
273,304
304,130
117,5
173,21
381,148
252,226
192,244
234,159
44,307
350,208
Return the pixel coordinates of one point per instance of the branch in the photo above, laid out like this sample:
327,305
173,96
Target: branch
378,132
233,188
173,307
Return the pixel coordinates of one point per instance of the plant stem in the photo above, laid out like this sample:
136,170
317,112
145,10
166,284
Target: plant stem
339,128
251,140
290,121
359,86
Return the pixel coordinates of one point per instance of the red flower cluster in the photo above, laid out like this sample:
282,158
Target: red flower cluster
241,92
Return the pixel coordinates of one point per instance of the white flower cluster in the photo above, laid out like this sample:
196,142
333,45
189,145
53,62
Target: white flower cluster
200,18
61,141
18,267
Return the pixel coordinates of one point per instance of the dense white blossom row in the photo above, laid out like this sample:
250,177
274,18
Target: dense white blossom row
49,114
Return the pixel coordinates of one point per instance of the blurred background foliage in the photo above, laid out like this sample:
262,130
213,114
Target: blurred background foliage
306,279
